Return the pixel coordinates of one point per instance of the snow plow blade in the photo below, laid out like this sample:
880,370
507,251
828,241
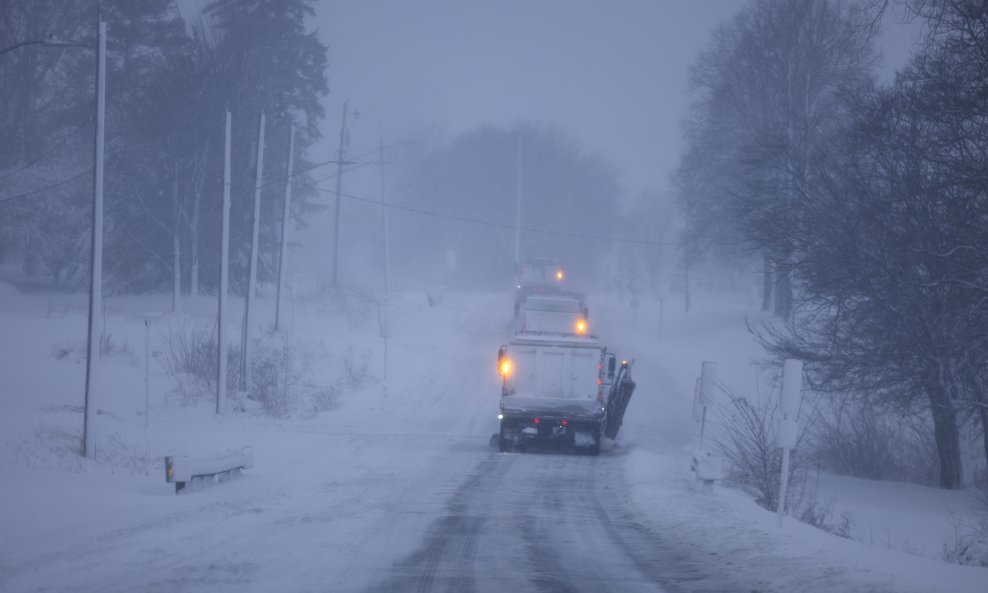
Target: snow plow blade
617,402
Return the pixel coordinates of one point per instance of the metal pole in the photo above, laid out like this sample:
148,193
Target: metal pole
221,341
339,198
283,252
518,205
96,263
252,276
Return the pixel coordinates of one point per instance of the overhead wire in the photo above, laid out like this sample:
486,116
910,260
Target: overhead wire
46,188
50,150
491,223
273,180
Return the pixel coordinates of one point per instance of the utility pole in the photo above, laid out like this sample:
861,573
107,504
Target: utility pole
96,262
176,247
221,339
283,253
385,313
339,197
245,360
518,206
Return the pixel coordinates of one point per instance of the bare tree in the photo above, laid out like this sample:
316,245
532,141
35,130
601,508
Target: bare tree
769,89
895,265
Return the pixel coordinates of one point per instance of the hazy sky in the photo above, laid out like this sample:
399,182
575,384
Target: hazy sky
614,73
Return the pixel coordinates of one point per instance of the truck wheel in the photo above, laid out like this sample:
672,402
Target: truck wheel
502,443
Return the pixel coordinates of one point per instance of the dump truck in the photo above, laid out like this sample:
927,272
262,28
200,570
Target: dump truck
563,311
560,388
536,275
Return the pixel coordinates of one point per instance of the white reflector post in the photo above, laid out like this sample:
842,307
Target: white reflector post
792,385
787,433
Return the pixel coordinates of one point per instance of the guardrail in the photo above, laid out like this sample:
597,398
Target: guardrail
183,470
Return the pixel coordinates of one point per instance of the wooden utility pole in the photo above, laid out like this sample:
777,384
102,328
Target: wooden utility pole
283,252
385,321
221,339
518,206
245,360
176,247
95,327
339,197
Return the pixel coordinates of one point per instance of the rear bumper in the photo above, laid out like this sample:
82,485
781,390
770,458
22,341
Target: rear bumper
525,427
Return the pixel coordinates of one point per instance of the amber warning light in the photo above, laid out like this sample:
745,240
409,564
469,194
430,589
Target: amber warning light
559,274
581,326
505,367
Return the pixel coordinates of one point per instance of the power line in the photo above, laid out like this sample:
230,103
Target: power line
58,144
491,223
44,189
273,180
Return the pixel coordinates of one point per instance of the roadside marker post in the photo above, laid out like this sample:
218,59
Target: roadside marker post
705,464
792,382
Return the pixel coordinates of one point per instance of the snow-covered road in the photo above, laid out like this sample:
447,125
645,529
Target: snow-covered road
541,522
402,492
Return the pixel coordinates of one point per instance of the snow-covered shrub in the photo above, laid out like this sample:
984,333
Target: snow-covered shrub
188,353
747,440
969,544
109,348
808,508
270,376
355,372
746,435
281,379
858,439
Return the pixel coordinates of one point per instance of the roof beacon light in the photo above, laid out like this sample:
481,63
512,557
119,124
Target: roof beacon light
581,326
505,368
559,274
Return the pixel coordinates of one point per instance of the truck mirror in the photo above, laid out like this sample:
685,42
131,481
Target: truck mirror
611,363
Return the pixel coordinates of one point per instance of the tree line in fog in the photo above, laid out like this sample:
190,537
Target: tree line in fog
864,204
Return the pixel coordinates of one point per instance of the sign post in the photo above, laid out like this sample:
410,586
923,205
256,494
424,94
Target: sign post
792,381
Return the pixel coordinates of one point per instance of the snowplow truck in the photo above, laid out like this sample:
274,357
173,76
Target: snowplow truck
560,390
534,276
563,312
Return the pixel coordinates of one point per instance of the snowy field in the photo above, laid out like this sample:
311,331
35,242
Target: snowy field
340,500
